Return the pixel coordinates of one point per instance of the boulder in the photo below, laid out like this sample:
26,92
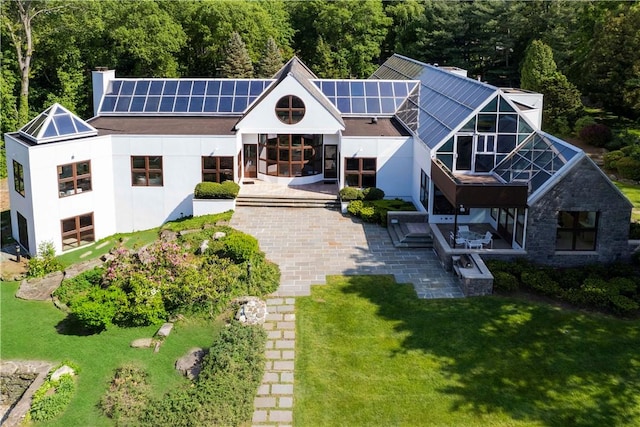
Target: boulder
168,236
142,343
191,363
40,288
204,246
80,267
62,370
165,330
219,235
252,311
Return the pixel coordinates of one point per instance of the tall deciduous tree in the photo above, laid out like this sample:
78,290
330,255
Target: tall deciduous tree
18,18
237,63
271,60
562,104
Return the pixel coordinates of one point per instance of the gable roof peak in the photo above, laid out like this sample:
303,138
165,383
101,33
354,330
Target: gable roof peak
56,123
297,67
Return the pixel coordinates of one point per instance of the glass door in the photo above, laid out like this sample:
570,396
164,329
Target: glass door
250,161
464,151
331,162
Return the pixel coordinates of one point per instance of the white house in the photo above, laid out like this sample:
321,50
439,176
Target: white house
462,150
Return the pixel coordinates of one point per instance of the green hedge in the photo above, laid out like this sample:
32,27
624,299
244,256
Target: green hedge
369,193
376,211
214,190
628,168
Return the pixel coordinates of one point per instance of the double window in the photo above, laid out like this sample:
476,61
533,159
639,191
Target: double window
217,169
360,172
577,231
74,178
146,171
77,231
18,178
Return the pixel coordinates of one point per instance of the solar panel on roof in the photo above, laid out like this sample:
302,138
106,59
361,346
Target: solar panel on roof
142,88
199,87
184,87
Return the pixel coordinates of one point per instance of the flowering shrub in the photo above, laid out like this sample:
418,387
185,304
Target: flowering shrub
597,135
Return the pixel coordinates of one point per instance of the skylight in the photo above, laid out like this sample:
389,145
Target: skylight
366,97
56,123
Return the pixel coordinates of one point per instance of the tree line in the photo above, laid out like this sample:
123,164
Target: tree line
50,46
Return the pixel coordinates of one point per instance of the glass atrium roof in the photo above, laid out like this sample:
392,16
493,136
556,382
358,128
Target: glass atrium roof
185,96
56,123
366,97
446,99
536,160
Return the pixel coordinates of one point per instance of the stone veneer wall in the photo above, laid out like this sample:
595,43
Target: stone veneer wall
584,188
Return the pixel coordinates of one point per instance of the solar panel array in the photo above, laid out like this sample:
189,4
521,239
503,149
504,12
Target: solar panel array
190,96
56,123
366,97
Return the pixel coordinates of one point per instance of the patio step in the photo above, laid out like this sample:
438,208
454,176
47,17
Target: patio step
411,235
326,202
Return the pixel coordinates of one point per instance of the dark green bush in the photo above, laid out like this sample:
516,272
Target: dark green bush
239,247
373,193
623,305
214,190
79,285
224,391
541,282
376,210
97,309
611,159
504,281
127,396
597,134
351,193
629,168
355,207
582,122
52,398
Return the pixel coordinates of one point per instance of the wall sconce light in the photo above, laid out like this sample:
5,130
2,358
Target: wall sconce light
462,208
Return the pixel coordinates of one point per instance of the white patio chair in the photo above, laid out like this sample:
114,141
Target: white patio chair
463,229
487,239
458,240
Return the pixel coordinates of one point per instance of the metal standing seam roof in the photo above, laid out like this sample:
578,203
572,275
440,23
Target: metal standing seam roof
56,123
446,99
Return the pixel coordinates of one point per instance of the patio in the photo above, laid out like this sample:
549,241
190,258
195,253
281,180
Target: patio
479,229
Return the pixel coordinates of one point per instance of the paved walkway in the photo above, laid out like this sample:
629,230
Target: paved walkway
308,245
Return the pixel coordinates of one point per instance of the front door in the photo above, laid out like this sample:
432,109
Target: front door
331,162
250,161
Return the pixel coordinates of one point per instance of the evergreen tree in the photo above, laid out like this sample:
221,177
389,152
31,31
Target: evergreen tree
562,104
271,60
237,63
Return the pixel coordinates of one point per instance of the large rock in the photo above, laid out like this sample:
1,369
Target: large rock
252,311
62,370
142,343
165,330
191,364
40,288
80,267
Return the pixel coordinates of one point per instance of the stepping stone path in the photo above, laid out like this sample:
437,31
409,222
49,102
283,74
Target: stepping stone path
273,405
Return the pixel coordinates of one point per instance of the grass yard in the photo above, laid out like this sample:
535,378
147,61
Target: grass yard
370,353
633,194
29,331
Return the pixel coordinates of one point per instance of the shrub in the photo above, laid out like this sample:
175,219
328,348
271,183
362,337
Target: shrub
143,305
623,285
629,168
582,122
239,247
373,193
611,159
214,190
224,392
351,193
368,214
96,310
597,135
44,262
79,285
504,281
52,398
595,292
623,305
541,282
127,396
355,207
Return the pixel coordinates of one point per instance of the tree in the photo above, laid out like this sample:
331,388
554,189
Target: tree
18,18
562,104
271,60
237,63
353,33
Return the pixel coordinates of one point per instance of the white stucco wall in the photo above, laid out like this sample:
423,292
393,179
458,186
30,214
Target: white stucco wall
394,161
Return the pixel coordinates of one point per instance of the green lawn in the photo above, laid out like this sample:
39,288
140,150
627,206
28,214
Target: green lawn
633,194
29,331
370,353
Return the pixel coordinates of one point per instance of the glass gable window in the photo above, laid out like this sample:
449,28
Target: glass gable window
577,231
74,178
77,231
360,172
217,169
18,178
290,109
146,171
